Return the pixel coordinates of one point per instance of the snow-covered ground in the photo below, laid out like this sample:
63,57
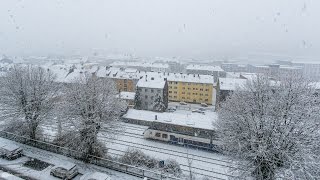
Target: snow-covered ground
207,163
53,159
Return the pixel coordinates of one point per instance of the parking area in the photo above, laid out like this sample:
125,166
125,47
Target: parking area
38,164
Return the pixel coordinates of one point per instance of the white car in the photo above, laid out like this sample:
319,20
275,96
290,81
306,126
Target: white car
95,176
10,151
198,111
183,103
65,170
204,105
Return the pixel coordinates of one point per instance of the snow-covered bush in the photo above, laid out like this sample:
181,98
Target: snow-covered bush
171,166
73,141
136,157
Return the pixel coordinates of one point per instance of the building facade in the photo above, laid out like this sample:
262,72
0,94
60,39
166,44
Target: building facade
152,94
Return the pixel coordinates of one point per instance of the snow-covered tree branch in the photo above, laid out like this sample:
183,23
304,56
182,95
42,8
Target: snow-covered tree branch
92,102
272,129
28,93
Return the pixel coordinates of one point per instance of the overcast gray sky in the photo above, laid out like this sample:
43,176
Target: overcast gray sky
187,28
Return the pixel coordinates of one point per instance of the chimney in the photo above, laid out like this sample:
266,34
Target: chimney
155,117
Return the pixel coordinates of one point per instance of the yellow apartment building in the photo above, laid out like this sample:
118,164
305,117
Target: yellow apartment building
191,92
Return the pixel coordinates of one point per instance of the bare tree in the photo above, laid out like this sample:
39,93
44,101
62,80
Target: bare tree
28,94
272,129
92,103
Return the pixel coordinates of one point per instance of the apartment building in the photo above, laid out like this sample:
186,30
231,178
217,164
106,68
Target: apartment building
216,71
152,93
192,88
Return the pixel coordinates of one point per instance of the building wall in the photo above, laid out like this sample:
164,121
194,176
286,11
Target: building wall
191,92
149,95
125,84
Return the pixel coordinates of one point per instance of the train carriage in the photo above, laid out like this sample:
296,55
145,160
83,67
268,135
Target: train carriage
180,139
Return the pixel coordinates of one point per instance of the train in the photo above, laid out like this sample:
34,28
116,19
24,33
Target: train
184,140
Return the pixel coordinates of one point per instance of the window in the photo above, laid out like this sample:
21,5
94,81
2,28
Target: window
175,87
174,96
145,90
201,89
170,87
183,88
170,91
158,134
176,82
189,83
170,82
152,90
207,95
183,97
158,91
206,100
146,103
146,97
151,97
175,92
207,89
183,92
165,136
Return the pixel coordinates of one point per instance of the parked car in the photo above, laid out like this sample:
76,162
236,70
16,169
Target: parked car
183,103
202,109
198,111
171,109
64,171
204,105
10,151
95,176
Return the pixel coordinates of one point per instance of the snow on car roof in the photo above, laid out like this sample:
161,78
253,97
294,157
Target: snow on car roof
10,147
65,164
189,119
95,176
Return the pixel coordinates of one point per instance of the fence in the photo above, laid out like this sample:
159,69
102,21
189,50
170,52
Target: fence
117,166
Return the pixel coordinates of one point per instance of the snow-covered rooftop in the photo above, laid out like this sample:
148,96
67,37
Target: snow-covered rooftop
203,67
196,120
148,83
139,64
180,77
231,83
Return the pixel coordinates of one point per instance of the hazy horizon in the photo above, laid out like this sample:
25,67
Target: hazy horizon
203,29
